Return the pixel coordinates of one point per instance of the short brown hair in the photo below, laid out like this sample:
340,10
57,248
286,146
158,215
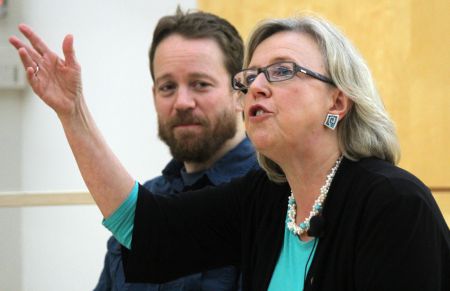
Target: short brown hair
197,25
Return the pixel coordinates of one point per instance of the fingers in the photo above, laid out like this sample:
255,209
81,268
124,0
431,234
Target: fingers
34,39
38,57
17,43
39,48
31,75
31,67
27,61
35,57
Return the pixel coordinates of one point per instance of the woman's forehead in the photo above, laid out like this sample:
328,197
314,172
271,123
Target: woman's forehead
289,46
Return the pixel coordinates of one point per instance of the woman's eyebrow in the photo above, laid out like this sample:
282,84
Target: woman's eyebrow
274,61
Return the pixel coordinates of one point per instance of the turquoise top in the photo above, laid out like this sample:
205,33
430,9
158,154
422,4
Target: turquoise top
121,222
290,270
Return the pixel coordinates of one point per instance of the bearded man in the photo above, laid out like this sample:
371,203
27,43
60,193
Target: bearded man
192,59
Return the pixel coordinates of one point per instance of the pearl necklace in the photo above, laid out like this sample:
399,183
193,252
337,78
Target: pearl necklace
317,207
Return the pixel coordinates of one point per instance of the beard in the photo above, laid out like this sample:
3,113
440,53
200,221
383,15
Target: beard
194,147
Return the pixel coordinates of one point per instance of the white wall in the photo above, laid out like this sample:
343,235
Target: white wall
62,248
10,170
10,139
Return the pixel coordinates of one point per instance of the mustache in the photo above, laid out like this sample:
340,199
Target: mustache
185,117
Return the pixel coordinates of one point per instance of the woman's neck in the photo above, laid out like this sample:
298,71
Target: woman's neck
306,175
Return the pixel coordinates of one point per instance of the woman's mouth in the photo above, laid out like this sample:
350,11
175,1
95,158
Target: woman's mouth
257,110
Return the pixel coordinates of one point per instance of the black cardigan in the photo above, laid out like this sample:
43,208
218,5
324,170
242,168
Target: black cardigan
383,231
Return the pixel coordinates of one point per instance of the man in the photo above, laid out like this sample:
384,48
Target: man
192,59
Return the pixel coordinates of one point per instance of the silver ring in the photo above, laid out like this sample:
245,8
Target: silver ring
36,71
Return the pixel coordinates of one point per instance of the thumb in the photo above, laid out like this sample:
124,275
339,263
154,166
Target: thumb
68,50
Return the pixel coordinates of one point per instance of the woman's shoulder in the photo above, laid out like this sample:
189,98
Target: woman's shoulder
387,191
381,183
380,172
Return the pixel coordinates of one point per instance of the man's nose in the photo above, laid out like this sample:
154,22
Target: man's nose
184,99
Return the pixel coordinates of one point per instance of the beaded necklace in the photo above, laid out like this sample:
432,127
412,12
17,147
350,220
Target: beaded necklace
317,207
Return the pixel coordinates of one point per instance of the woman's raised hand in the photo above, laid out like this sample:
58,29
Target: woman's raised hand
55,80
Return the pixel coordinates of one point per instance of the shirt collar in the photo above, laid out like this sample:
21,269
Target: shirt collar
234,163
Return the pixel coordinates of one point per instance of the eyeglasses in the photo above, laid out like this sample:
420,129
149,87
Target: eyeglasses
274,73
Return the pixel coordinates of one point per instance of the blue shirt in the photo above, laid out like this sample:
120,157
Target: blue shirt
174,179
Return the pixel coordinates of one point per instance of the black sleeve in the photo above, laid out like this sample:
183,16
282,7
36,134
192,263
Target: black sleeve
181,234
404,241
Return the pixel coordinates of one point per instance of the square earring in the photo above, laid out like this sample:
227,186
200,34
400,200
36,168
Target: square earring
331,121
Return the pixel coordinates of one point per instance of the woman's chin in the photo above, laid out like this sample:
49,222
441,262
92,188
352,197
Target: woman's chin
261,144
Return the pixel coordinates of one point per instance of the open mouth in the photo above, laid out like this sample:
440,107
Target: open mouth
257,110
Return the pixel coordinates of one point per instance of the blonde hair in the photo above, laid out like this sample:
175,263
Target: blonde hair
366,130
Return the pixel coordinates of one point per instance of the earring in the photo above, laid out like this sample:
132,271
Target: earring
331,121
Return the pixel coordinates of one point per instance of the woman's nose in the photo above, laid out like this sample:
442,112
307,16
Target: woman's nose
259,87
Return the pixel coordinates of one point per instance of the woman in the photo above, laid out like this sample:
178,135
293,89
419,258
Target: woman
330,211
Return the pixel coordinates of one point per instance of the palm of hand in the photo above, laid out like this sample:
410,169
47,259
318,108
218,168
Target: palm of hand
57,84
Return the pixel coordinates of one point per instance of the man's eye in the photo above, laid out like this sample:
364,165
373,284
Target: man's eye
200,85
166,88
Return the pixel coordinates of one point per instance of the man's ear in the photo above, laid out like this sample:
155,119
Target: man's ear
154,92
341,104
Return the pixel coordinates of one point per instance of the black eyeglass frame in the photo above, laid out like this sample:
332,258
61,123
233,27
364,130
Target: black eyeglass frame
297,69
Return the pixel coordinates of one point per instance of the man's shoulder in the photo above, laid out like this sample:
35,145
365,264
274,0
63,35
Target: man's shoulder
155,183
113,246
235,163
